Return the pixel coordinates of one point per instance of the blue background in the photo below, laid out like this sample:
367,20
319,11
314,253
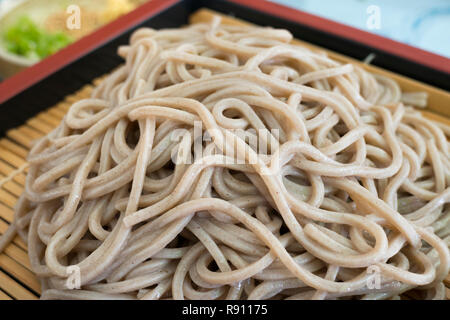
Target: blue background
420,23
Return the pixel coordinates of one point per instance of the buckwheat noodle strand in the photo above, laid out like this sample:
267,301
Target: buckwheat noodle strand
224,162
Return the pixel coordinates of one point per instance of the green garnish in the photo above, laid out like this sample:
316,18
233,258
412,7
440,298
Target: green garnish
26,39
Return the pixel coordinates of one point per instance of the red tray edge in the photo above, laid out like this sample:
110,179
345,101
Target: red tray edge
31,75
26,78
415,54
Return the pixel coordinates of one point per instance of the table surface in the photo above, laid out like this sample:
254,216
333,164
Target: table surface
420,23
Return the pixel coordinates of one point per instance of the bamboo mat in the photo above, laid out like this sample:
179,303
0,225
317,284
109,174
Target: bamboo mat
17,281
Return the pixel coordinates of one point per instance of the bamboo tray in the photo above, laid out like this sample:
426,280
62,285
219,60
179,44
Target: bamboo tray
17,281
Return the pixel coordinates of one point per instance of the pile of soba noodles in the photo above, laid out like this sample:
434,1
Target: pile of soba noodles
225,162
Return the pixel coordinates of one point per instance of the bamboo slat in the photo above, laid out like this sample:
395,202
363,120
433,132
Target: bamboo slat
17,240
4,296
17,281
14,288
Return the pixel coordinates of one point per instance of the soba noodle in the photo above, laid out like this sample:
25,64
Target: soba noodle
224,162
